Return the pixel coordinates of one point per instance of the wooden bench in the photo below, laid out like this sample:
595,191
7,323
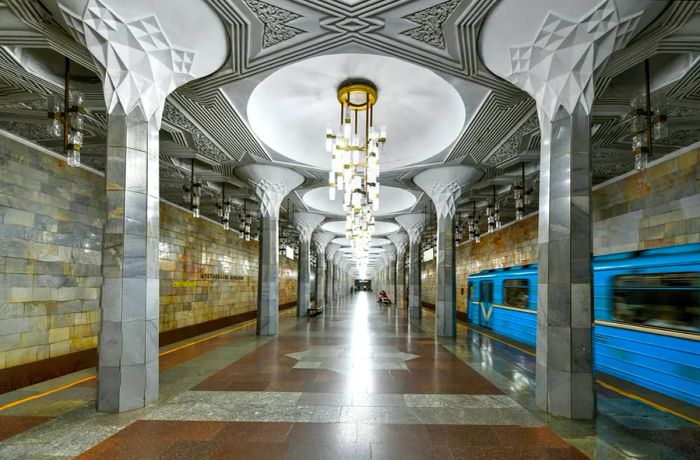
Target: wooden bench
315,311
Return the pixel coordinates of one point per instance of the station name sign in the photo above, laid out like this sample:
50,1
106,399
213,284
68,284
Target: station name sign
221,276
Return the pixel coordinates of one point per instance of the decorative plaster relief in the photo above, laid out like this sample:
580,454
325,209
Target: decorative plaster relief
275,22
557,68
511,147
137,64
430,21
203,144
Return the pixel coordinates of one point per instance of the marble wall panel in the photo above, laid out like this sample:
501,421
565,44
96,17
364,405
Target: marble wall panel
51,220
51,223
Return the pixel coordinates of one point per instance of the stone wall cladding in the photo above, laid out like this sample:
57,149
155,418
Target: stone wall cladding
51,219
427,282
206,272
288,281
660,207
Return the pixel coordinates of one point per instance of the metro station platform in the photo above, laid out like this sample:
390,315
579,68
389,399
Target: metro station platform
360,381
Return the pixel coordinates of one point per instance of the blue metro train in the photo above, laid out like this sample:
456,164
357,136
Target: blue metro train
646,312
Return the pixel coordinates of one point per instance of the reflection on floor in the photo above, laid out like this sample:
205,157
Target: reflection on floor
359,381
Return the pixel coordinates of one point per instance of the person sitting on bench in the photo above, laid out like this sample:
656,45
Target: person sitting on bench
383,297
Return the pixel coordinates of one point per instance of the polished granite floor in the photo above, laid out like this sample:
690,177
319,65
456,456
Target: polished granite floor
359,381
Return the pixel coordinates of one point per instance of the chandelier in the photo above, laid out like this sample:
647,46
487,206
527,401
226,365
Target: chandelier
224,209
648,122
355,150
66,119
193,192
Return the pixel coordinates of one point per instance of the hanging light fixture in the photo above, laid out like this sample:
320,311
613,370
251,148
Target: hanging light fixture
283,241
648,122
193,192
66,119
490,214
519,195
458,229
477,232
224,208
355,163
241,221
496,210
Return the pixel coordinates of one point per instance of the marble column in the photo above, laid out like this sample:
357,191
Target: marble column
305,223
562,84
413,224
564,371
320,241
270,184
331,250
391,271
128,338
337,277
444,186
400,240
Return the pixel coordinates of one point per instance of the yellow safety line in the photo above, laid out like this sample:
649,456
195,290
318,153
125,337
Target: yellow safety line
218,334
46,393
604,384
650,403
92,377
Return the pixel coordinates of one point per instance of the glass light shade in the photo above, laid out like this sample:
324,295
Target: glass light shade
640,161
77,120
77,98
76,139
55,128
660,129
54,104
74,158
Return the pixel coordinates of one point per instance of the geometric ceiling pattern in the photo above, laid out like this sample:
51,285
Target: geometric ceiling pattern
557,68
199,120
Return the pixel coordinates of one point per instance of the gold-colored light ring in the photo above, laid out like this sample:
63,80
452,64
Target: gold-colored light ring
346,89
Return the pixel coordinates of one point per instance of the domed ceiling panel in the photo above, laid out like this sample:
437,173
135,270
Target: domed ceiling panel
380,227
290,109
391,200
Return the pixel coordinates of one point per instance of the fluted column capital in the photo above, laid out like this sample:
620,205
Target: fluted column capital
400,241
271,185
444,185
413,224
557,66
390,252
331,250
306,223
321,240
141,59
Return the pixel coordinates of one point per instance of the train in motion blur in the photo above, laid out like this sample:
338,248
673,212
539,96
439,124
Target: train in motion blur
646,315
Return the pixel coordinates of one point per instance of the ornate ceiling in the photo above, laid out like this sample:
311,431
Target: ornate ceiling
207,119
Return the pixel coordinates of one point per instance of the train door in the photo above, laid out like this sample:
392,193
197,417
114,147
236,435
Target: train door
485,303
472,305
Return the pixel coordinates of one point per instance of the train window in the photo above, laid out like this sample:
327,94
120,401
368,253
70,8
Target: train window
486,291
516,292
470,291
667,300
